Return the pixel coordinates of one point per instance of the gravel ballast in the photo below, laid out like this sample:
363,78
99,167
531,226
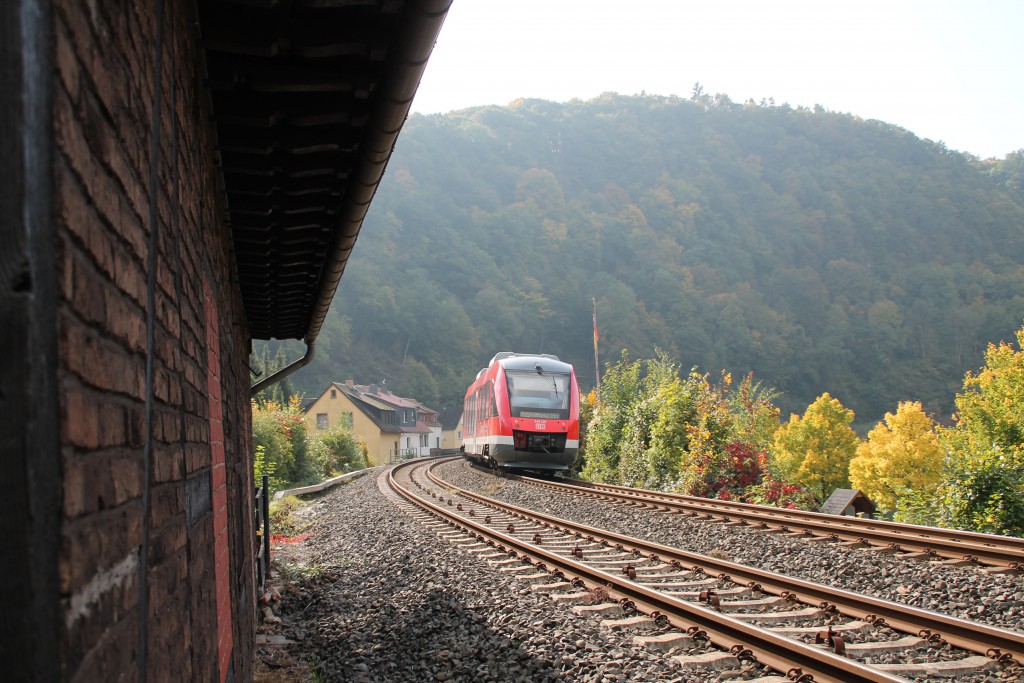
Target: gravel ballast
385,599
374,595
965,592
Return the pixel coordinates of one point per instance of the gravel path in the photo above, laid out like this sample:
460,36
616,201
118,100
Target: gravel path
373,595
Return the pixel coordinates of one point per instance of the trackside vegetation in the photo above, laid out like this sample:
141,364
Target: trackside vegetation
653,426
291,453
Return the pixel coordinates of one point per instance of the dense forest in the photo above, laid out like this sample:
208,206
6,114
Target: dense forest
821,251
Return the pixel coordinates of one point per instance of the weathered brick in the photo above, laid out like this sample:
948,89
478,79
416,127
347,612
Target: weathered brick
75,212
130,277
92,544
166,540
165,580
98,481
102,643
103,88
80,418
167,463
114,428
98,362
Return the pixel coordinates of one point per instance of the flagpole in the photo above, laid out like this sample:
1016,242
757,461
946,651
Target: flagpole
597,367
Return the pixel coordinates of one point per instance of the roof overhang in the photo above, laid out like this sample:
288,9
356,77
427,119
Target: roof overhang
308,98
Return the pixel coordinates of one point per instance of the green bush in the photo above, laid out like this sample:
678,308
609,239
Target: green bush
335,451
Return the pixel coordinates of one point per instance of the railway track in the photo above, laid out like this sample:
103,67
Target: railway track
720,612
993,553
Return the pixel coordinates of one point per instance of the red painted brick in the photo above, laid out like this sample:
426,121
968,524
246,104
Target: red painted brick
218,477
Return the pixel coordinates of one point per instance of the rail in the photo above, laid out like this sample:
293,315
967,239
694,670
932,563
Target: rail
725,632
1003,552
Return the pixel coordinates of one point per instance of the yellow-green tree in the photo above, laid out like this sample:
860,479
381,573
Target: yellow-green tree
983,486
901,456
815,451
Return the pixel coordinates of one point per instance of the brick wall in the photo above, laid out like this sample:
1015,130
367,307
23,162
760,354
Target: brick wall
139,243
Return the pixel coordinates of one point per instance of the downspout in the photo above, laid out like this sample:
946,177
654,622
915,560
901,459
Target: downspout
285,371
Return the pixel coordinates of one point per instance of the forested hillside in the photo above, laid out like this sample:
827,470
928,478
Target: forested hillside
823,252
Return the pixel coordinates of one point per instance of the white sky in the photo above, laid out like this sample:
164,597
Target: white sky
949,70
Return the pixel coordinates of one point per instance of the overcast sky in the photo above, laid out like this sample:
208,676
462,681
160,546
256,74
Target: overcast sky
948,70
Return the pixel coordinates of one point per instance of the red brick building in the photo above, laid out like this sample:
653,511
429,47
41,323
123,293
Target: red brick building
180,178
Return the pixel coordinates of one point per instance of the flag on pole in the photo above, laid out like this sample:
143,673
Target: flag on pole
597,366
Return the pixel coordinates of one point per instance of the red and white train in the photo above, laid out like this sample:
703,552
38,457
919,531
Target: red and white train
522,412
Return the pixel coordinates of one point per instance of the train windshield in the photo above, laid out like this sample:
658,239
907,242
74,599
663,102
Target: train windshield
541,396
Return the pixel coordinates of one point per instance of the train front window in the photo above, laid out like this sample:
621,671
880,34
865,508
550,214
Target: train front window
541,396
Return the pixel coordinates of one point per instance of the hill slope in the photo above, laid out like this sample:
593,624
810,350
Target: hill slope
821,251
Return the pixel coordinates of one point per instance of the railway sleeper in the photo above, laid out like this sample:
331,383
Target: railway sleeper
641,622
625,561
550,587
661,585
797,631
685,574
740,605
741,592
717,660
665,642
767,617
950,669
577,598
864,650
599,610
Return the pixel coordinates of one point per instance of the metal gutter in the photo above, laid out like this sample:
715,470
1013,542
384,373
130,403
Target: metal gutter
285,371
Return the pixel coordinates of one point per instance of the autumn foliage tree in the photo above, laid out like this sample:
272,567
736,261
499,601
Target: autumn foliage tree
900,462
653,428
815,450
983,486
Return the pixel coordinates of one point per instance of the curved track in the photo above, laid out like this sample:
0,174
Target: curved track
732,606
1002,553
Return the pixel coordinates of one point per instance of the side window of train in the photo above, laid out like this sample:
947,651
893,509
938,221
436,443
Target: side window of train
493,398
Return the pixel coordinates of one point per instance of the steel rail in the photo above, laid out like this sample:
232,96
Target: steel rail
1000,551
973,636
770,649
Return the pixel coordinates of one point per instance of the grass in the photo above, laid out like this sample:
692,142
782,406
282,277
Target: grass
283,521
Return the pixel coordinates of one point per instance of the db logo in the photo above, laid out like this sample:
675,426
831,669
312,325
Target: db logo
541,424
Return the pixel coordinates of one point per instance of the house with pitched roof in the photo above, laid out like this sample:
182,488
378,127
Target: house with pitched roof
451,428
392,427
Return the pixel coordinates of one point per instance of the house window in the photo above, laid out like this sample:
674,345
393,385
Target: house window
334,393
346,420
321,420
423,440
